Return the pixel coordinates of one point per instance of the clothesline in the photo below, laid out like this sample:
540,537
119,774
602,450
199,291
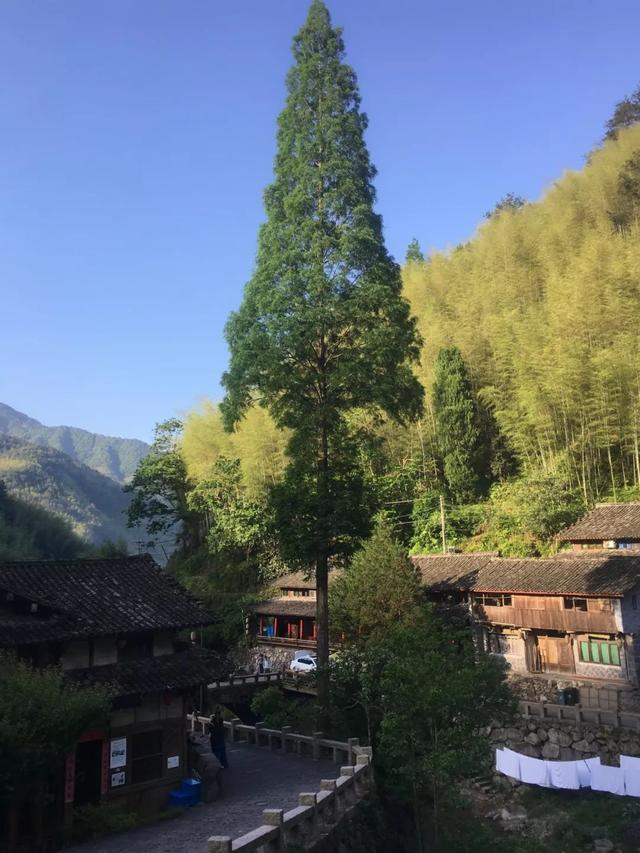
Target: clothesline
572,775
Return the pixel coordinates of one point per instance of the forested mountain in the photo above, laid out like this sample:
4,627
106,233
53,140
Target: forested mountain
94,505
114,457
28,532
530,362
544,304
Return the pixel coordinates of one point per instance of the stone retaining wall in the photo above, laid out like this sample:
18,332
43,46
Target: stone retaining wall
563,740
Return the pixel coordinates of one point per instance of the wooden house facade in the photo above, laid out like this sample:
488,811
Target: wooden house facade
574,616
113,622
288,620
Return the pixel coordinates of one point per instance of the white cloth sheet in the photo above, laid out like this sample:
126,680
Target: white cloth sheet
584,767
563,774
508,762
610,779
534,771
630,767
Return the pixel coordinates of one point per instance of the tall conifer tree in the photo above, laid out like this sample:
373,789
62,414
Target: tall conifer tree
323,328
458,429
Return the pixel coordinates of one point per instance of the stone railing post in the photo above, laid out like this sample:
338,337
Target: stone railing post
273,817
350,787
257,728
331,810
232,728
286,730
311,828
352,741
219,844
317,737
193,722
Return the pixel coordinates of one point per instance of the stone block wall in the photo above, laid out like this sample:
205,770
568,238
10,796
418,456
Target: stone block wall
564,740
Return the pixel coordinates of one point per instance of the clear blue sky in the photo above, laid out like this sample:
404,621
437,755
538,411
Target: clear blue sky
136,137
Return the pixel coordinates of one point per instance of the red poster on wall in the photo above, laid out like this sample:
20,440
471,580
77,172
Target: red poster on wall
70,777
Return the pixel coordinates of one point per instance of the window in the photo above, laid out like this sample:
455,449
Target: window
135,646
625,546
146,756
302,593
493,599
595,650
571,603
497,644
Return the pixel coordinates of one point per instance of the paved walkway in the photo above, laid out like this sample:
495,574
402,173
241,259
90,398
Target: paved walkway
256,779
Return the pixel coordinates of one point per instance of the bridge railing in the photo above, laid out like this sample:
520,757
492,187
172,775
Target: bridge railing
285,740
239,680
580,714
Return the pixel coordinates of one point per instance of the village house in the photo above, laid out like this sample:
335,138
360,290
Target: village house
288,620
113,622
608,526
577,617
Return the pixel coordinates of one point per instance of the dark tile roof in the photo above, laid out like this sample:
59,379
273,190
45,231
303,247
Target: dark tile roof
18,629
150,675
608,575
100,597
605,521
448,572
302,607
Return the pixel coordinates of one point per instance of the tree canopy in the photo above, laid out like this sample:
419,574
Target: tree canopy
323,328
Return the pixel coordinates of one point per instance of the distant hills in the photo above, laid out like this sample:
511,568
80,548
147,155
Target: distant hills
94,505
116,458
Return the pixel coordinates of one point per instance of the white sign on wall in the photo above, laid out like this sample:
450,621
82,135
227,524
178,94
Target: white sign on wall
118,753
117,779
173,761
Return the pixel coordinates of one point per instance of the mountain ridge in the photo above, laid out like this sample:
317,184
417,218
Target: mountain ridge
113,457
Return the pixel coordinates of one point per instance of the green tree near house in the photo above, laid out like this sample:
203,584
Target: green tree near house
464,456
323,328
40,720
160,491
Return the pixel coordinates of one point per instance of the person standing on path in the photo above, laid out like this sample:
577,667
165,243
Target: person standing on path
216,735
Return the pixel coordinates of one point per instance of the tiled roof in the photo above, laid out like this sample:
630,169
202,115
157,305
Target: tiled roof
99,597
603,575
443,572
605,521
302,607
153,674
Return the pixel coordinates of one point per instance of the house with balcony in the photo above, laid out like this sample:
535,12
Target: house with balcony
288,619
608,526
572,616
113,622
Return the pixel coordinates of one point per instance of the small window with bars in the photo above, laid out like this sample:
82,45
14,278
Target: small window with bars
500,599
573,603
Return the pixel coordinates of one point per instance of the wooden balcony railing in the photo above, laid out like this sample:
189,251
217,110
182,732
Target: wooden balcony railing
286,642
553,620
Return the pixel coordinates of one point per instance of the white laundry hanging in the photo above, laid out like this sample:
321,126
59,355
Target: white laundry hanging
563,774
584,767
508,762
630,767
610,779
534,771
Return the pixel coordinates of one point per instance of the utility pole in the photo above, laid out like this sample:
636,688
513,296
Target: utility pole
443,528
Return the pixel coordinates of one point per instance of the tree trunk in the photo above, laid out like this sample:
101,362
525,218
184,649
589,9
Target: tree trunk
322,622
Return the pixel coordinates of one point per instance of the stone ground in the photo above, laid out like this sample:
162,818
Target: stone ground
256,779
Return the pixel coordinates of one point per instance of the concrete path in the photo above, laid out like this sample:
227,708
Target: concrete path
256,779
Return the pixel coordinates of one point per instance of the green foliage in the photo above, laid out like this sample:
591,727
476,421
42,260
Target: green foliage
626,114
277,710
104,818
380,587
159,491
414,252
40,721
523,516
461,443
30,533
461,522
435,692
90,503
116,458
323,328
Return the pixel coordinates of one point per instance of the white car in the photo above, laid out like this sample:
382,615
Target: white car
304,663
